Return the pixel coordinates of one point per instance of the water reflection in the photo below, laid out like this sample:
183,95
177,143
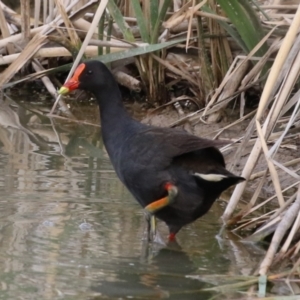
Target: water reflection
70,230
155,276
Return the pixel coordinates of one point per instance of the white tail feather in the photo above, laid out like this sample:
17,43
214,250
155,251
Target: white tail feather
211,177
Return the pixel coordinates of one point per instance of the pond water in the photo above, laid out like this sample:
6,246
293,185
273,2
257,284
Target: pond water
70,230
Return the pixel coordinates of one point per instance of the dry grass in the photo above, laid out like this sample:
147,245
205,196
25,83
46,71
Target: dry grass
276,100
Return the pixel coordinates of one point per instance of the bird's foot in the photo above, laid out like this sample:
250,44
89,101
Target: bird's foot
157,239
150,231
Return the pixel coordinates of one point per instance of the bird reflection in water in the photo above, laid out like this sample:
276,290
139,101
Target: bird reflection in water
155,276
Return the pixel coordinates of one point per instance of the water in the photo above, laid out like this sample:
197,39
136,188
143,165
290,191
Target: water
70,230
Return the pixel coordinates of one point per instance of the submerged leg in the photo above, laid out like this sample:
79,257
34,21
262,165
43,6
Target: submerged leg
153,227
154,234
150,231
163,202
151,234
147,226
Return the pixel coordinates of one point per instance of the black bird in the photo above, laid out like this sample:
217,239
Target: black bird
174,175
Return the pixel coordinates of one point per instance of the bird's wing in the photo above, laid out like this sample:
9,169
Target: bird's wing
177,142
160,145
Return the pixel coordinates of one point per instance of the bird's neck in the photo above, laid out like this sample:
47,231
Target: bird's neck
112,110
116,124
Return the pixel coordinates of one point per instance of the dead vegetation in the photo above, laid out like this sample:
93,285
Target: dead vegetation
221,65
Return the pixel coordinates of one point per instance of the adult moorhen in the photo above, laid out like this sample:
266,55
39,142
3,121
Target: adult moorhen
174,175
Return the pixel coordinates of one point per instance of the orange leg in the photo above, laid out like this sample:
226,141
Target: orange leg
163,202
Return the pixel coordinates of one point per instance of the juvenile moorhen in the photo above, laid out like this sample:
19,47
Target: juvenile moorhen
174,175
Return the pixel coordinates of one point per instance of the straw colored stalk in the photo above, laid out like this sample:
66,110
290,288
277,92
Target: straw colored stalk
25,13
16,37
182,27
52,24
5,31
212,16
290,123
189,32
186,12
96,19
51,89
275,217
91,51
15,18
70,29
279,6
6,8
37,9
269,86
178,16
270,199
175,70
83,26
230,87
220,55
231,76
282,228
275,112
128,81
286,164
220,131
252,201
47,52
255,71
47,27
290,237
32,47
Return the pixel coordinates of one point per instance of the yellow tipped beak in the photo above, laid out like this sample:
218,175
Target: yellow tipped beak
64,90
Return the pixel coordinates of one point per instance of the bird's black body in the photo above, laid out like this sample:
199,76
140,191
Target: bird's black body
147,157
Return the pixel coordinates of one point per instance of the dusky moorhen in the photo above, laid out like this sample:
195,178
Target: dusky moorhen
174,175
